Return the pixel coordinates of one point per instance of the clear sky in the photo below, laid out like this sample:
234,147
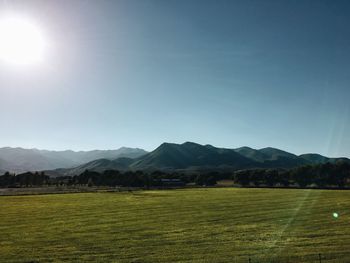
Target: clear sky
138,73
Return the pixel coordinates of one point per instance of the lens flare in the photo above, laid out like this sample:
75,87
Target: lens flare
21,41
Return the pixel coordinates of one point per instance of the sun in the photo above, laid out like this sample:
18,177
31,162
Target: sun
21,41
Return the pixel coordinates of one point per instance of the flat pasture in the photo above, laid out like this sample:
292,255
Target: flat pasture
185,225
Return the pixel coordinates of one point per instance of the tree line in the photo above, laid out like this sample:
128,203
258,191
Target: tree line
110,178
321,176
24,180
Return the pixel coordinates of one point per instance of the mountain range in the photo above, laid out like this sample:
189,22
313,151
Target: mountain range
21,160
191,156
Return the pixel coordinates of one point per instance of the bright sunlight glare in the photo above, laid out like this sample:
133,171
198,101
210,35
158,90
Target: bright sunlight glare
21,41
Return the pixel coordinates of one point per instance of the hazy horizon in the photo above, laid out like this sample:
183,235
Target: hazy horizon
140,73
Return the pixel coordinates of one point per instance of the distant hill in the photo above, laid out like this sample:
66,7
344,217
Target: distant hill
314,158
275,154
99,165
281,159
253,154
171,156
191,156
22,160
273,158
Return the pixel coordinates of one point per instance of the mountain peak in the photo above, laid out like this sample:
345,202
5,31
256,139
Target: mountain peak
190,155
190,143
274,152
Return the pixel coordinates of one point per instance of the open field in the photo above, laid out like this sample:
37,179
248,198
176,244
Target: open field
192,225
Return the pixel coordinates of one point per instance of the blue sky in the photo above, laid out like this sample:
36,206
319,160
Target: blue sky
227,73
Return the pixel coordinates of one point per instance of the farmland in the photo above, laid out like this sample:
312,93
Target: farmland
189,225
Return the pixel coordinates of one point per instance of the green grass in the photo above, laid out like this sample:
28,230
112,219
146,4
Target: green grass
195,225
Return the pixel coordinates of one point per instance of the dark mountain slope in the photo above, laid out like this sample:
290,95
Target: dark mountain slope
277,158
253,154
186,155
275,154
314,158
99,165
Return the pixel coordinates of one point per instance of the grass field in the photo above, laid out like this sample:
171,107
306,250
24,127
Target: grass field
194,225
